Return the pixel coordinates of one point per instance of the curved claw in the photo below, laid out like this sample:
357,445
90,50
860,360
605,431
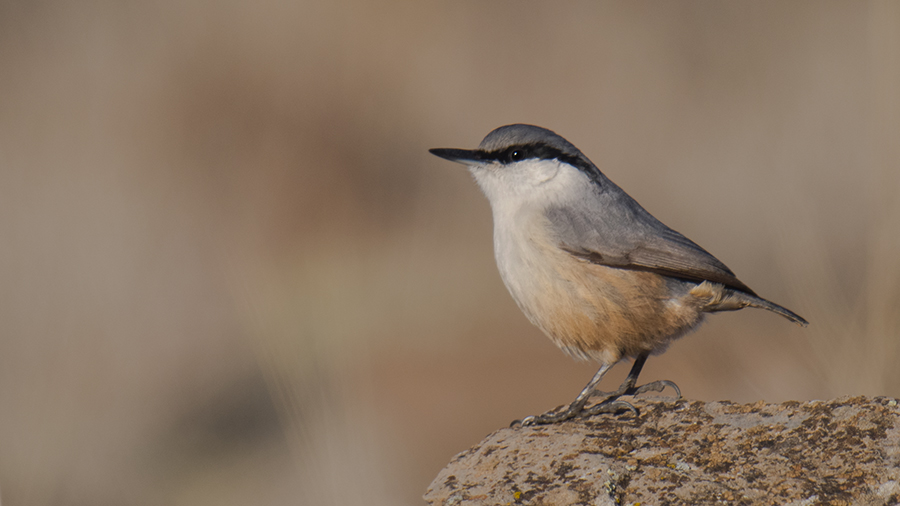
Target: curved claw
525,422
656,386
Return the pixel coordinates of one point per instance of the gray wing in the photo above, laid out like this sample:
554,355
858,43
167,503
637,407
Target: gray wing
610,228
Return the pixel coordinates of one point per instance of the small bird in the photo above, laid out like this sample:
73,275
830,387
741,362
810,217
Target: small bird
598,274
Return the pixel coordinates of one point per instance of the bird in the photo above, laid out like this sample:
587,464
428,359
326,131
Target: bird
591,268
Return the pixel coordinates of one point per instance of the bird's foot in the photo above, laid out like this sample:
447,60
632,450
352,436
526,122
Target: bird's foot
656,386
559,414
553,416
610,406
613,404
631,390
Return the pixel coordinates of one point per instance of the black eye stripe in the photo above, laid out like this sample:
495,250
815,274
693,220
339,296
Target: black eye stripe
540,151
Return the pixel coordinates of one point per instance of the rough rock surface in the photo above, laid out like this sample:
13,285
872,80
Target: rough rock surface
843,451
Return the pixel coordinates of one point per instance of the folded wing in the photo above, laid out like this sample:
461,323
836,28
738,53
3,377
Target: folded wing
610,228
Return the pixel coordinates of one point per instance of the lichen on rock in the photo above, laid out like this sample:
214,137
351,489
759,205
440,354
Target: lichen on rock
844,451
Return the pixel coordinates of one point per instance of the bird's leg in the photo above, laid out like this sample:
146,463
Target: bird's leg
577,406
611,403
627,388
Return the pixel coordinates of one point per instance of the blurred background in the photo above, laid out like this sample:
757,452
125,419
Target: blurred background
232,274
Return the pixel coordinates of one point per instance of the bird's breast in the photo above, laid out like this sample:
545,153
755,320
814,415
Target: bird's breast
588,310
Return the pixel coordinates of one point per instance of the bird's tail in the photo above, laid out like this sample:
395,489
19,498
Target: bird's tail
775,308
717,297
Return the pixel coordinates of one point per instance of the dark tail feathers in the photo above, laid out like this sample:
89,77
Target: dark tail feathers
775,308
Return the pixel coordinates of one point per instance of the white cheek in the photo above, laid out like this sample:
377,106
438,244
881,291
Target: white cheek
543,171
529,183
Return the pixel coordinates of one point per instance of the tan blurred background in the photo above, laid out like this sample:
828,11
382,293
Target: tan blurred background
232,274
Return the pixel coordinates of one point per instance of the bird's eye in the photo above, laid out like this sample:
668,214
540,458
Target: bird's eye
516,155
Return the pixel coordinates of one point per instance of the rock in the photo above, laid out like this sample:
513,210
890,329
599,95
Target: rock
844,451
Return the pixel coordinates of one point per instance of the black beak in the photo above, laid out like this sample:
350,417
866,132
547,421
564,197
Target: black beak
458,155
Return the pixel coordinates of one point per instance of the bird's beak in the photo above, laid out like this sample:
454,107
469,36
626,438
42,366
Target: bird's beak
458,155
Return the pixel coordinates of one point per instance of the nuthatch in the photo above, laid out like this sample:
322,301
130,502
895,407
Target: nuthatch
602,277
